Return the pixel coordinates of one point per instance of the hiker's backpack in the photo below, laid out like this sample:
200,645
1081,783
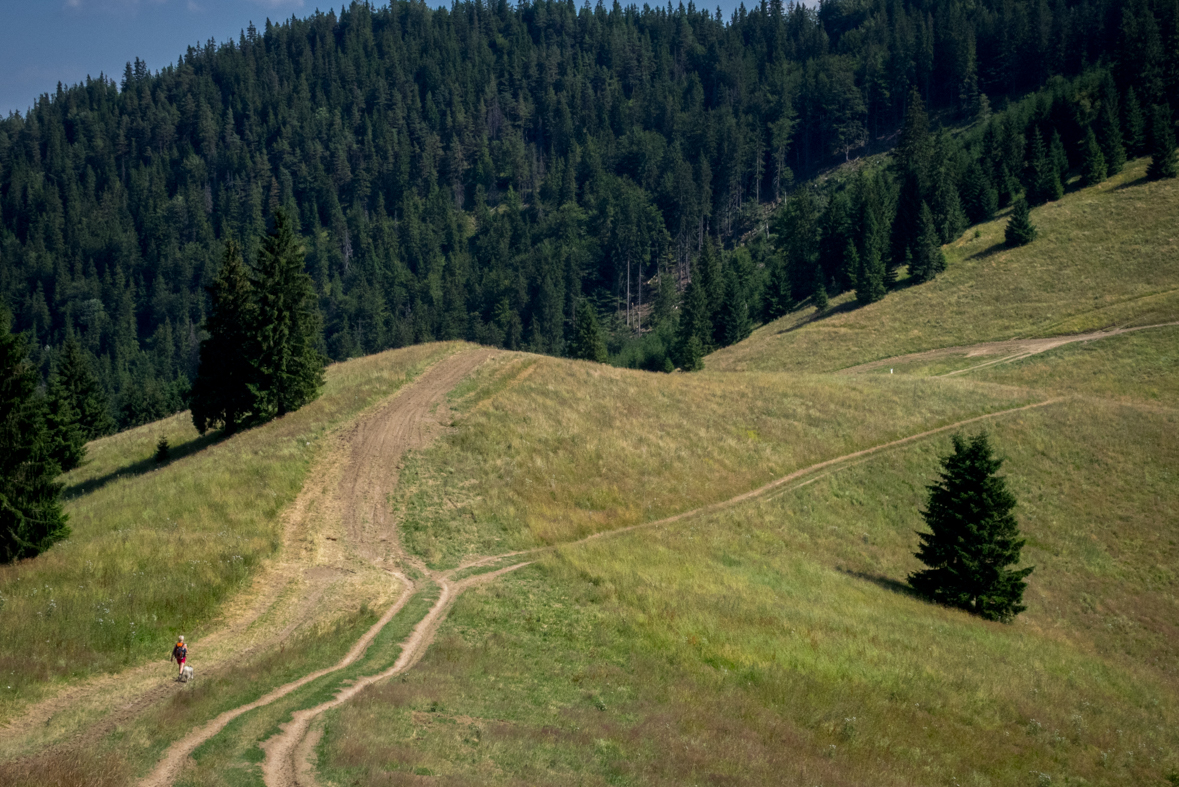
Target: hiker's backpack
180,651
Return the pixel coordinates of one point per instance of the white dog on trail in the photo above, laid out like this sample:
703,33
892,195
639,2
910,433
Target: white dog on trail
186,674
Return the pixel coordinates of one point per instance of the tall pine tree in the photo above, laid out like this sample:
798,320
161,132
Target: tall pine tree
1093,169
1162,144
695,328
928,258
587,343
288,367
221,395
1020,230
31,516
75,375
973,536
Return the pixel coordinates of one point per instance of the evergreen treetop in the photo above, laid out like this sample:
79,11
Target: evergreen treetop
587,343
288,367
221,395
1093,170
78,382
1162,144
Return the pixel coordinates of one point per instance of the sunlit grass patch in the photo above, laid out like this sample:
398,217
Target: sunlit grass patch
1142,366
577,448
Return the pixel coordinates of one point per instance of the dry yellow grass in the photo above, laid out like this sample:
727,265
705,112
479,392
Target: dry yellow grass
548,450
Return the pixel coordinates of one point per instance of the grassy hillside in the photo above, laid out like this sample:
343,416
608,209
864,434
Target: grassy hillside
156,550
1107,255
759,637
774,642
551,450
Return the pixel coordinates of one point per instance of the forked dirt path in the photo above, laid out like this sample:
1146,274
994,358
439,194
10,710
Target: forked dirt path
367,470
1006,352
290,755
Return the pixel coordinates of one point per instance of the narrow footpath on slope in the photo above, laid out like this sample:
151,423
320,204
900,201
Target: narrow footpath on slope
997,352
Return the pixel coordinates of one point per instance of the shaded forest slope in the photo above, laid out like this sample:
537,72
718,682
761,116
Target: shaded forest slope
1105,256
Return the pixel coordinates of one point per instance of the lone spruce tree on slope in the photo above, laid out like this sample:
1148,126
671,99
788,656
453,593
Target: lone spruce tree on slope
587,343
974,537
1020,230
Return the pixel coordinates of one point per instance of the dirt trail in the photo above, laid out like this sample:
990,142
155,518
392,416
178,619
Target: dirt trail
775,485
1007,352
365,472
289,754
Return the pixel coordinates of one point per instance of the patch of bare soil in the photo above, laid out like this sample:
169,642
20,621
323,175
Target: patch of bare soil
998,352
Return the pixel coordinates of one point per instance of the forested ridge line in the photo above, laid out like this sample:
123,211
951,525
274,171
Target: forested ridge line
476,172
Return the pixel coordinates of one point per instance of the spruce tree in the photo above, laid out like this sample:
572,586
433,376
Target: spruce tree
587,343
779,295
1020,230
1044,185
1109,135
733,319
949,217
1133,125
694,330
928,258
708,268
1093,167
973,536
1162,144
78,382
980,200
67,439
288,367
1059,159
870,279
221,395
31,516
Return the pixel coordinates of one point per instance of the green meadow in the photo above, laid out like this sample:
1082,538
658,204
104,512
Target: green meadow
754,639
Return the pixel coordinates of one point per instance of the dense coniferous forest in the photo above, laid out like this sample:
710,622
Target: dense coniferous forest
481,172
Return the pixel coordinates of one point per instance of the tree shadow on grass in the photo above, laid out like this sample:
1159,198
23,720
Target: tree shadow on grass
1139,181
888,583
145,465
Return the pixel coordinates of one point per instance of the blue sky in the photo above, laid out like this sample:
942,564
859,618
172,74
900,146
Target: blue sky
46,41
43,42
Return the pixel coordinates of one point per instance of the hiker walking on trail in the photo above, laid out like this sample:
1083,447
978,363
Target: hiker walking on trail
180,655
